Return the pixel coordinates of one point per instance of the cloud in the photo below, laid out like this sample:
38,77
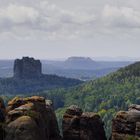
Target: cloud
121,17
46,19
18,14
43,18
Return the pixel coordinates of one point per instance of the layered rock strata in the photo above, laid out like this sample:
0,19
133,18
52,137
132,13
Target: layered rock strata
126,124
2,119
82,126
27,68
31,119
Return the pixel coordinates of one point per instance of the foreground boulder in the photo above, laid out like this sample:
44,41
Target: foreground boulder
126,124
2,118
31,119
82,126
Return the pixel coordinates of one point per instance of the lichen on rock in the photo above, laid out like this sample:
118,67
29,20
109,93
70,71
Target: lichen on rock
31,119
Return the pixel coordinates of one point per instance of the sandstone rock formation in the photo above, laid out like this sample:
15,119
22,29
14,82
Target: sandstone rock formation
126,124
31,119
82,126
2,118
27,68
28,78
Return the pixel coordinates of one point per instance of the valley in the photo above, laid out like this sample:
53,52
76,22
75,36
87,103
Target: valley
105,96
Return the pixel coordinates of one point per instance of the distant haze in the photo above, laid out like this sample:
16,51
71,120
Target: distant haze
50,29
83,68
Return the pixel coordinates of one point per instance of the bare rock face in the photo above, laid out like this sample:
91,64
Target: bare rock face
71,123
2,110
23,128
27,68
126,124
31,119
91,127
82,126
2,118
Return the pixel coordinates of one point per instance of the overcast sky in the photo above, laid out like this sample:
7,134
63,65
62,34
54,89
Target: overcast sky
63,28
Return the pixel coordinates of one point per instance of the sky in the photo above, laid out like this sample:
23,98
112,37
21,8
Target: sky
51,29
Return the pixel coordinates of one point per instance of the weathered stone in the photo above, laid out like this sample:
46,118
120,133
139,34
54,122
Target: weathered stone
82,126
138,129
123,127
2,118
24,128
15,103
117,136
91,127
126,124
71,123
134,107
2,110
33,112
27,68
74,110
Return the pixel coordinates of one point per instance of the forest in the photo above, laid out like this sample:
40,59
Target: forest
105,95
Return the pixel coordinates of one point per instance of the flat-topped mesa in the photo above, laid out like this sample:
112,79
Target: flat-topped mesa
27,68
126,124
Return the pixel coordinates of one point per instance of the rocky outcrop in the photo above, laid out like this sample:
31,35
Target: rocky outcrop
31,119
2,110
2,118
126,124
27,68
28,78
82,126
